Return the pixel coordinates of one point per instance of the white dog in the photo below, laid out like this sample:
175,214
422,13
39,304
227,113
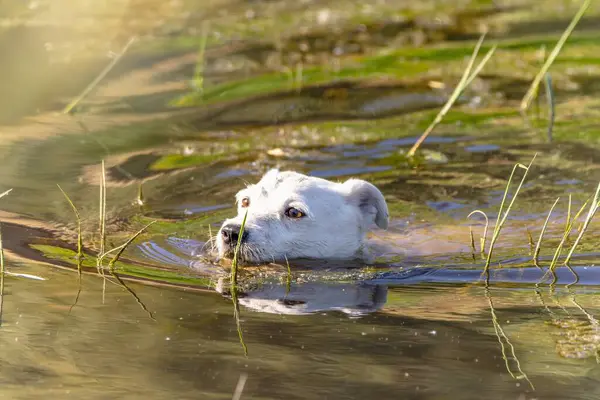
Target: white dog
291,216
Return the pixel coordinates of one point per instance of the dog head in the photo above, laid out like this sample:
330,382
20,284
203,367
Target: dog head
291,216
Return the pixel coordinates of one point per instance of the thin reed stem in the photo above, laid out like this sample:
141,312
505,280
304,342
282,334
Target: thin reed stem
502,217
536,252
592,211
79,236
234,263
555,51
199,70
69,108
465,80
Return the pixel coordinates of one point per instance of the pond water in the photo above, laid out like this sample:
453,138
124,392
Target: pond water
330,89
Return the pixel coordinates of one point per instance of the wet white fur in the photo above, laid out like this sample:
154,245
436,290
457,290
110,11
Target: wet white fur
338,216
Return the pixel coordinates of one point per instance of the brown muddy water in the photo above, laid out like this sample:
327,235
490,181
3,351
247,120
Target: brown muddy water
334,89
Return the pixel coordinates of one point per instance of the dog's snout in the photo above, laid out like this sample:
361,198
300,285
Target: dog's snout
231,233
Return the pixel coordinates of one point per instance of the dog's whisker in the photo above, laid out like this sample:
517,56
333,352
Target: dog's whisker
205,245
248,253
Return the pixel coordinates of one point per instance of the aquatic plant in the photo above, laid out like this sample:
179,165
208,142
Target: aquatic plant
526,101
234,262
485,230
502,212
102,215
565,235
551,106
71,106
590,215
536,252
198,80
468,76
79,237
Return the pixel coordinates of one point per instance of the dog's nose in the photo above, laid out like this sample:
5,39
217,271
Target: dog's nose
231,234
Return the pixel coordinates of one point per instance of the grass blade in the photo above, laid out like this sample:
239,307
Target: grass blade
113,272
199,70
530,242
465,80
5,193
103,209
480,66
102,218
536,252
485,230
234,262
557,48
111,264
551,105
568,229
79,238
593,209
69,108
569,211
472,240
502,217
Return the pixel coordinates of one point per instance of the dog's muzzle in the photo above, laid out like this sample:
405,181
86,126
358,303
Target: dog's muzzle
230,235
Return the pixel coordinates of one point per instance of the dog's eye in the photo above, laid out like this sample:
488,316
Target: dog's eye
245,202
294,213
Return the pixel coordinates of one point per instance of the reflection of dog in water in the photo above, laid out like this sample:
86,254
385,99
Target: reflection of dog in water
352,298
355,299
291,216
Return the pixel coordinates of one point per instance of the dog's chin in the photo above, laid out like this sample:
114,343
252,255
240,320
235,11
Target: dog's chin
243,256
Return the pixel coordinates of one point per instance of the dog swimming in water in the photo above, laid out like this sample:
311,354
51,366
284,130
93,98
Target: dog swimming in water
295,216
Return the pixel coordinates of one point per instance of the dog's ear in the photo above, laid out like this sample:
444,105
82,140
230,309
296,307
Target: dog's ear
369,199
270,175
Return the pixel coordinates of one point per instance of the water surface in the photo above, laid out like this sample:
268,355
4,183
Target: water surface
334,90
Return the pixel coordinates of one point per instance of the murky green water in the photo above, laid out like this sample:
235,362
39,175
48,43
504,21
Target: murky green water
330,89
